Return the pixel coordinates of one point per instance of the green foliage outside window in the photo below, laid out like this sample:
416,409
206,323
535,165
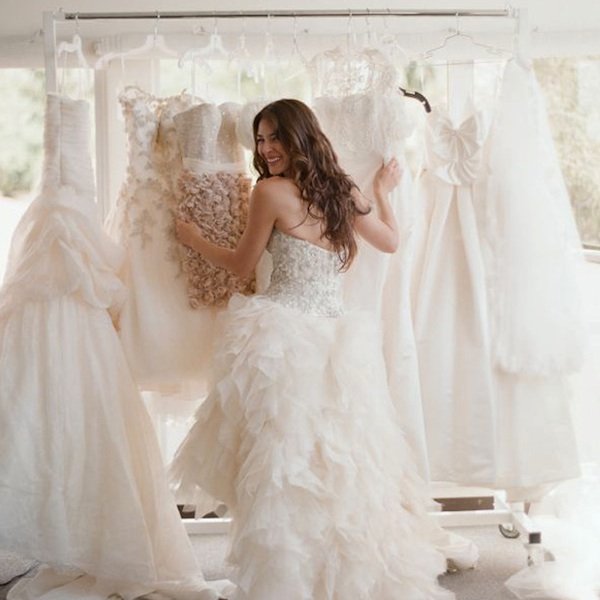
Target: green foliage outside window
21,129
571,87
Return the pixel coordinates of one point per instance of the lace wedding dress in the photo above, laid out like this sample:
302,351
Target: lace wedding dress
82,483
167,342
299,438
361,88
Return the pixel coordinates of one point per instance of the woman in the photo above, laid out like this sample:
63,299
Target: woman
298,437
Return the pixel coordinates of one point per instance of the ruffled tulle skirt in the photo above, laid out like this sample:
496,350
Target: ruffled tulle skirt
299,439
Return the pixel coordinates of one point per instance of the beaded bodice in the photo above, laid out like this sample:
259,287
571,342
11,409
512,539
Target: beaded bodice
207,136
304,276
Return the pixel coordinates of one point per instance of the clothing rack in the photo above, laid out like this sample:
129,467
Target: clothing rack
512,519
50,19
263,14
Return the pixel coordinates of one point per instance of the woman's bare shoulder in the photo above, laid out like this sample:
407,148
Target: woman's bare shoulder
275,188
275,184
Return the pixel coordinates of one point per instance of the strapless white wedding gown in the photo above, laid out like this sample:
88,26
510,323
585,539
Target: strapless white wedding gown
300,439
82,483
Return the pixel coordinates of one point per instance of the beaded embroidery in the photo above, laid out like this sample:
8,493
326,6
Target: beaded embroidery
305,276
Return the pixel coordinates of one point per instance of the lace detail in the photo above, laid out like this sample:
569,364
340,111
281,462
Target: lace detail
341,73
168,158
304,276
359,87
145,208
384,124
218,203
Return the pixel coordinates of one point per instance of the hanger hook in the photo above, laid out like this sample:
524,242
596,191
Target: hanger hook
269,22
368,24
77,23
295,46
215,24
386,21
349,30
156,23
457,22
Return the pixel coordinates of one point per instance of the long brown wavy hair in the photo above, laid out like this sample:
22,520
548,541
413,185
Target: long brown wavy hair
324,186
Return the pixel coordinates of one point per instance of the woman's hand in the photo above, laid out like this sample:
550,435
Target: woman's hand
387,178
187,233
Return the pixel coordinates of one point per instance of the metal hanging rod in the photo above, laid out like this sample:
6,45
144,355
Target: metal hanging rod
240,14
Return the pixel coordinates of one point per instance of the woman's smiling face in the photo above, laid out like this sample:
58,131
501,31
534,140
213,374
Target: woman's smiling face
271,149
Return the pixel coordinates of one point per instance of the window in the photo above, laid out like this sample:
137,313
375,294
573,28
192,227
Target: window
21,139
572,88
21,145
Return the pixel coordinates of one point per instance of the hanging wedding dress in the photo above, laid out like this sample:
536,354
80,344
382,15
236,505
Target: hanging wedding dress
449,303
213,192
299,438
167,342
362,89
496,247
539,340
82,482
532,256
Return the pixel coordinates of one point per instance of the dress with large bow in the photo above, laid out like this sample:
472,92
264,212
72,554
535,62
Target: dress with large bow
450,305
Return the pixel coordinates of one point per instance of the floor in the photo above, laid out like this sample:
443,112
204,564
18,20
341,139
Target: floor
499,558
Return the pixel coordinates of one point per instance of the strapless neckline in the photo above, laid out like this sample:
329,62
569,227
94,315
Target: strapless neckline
302,241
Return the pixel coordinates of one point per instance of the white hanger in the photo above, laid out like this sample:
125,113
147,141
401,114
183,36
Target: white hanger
241,55
270,59
154,43
296,52
199,57
297,62
213,49
459,34
242,61
390,46
73,47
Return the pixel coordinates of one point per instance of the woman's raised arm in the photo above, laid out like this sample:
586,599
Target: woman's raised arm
379,227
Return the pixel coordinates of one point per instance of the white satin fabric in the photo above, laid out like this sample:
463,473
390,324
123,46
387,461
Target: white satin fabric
497,246
449,304
82,482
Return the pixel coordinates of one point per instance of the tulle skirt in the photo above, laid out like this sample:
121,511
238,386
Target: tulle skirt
300,440
82,484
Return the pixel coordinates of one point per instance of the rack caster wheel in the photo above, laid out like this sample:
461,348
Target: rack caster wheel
509,531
